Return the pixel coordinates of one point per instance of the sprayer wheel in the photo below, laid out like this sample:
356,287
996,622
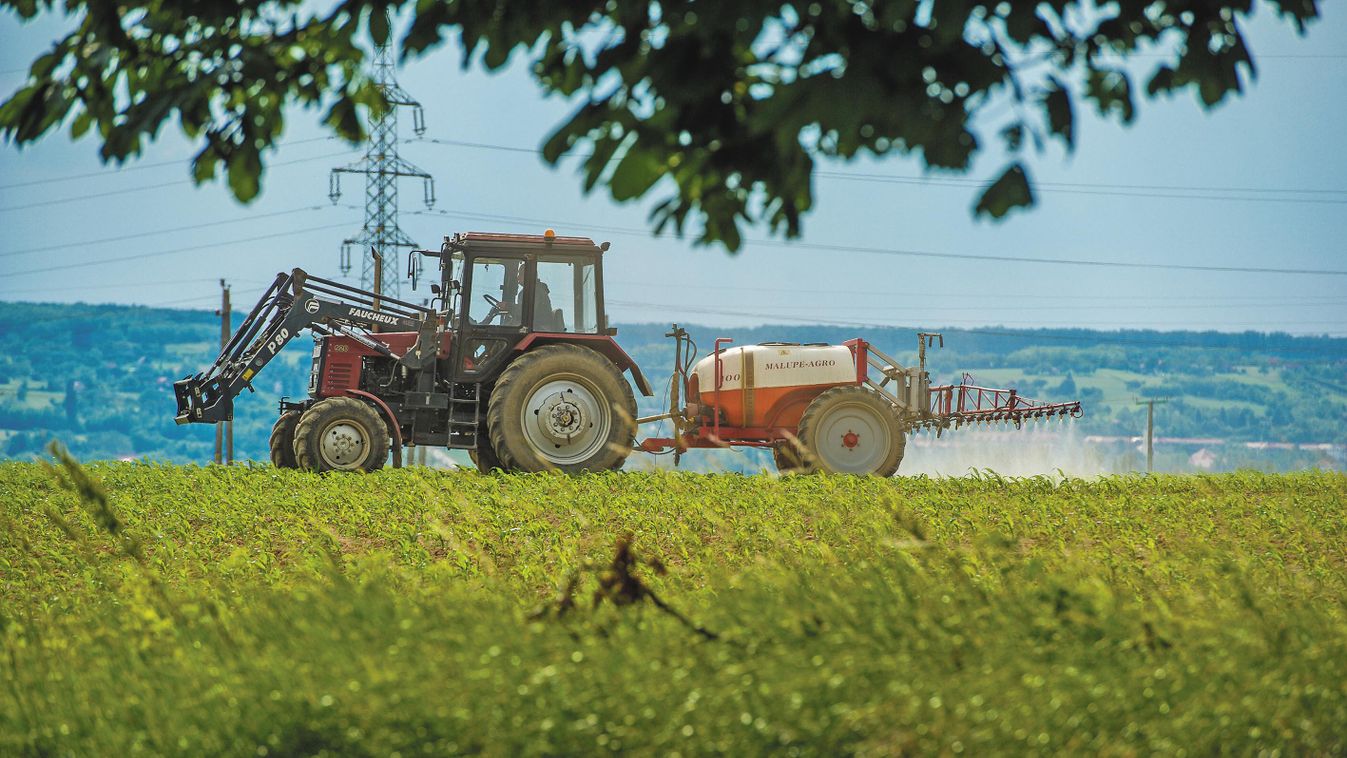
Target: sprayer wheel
788,457
851,430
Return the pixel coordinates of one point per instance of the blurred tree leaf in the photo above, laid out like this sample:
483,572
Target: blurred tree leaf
1112,93
734,103
635,174
1061,118
1010,191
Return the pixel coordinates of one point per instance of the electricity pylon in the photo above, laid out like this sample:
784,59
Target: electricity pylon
382,168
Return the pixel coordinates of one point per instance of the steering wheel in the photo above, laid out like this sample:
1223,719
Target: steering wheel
498,308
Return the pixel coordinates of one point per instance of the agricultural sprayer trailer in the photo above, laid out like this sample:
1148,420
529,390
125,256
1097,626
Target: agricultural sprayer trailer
513,360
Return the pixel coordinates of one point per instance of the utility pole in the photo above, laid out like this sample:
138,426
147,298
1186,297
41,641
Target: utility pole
224,431
382,167
1150,430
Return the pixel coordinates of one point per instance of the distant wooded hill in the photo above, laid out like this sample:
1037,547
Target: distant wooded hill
99,377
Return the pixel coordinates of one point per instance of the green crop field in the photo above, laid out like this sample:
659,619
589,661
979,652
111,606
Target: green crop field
248,611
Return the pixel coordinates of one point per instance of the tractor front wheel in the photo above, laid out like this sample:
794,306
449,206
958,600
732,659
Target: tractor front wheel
562,408
341,434
851,430
282,440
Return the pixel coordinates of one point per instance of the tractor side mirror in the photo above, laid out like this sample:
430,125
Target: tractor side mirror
435,289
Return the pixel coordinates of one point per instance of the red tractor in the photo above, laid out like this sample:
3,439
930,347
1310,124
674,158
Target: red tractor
514,362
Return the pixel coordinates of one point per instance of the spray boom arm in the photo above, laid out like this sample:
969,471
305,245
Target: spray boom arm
943,406
967,403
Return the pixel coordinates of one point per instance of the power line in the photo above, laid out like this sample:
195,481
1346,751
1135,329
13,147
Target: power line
1022,335
1082,324
9,253
122,285
1039,183
174,251
964,184
1051,261
482,146
1240,300
142,188
182,301
1256,57
922,253
125,285
255,291
1149,306
1092,188
137,167
1020,309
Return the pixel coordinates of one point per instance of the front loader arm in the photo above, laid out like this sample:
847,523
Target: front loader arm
295,302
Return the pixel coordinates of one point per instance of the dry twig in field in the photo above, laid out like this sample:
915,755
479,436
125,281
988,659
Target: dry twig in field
619,585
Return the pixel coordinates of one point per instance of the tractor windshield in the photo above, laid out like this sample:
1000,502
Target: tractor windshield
495,292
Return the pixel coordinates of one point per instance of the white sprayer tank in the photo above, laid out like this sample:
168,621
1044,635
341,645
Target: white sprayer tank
770,384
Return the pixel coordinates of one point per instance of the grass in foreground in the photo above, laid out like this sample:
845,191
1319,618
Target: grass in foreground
244,611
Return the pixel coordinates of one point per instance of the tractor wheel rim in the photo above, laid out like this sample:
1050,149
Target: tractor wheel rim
344,445
566,420
853,439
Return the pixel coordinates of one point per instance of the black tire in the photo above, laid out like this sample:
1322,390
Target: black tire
282,441
356,437
484,456
788,457
851,430
591,412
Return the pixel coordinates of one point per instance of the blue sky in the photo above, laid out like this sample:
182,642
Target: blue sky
1284,134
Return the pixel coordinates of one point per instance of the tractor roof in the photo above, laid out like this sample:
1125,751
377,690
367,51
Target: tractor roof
492,241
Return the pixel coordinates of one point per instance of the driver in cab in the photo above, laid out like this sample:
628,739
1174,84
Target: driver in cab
509,311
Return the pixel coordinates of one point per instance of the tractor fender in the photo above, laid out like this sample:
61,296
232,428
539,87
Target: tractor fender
394,429
603,344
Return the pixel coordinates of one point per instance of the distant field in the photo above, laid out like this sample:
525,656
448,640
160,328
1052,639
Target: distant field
250,611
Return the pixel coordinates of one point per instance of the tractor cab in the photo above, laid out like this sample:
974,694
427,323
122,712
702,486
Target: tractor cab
502,289
523,283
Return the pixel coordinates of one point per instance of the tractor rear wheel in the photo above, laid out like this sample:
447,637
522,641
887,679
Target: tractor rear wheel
851,430
341,434
562,408
484,456
282,442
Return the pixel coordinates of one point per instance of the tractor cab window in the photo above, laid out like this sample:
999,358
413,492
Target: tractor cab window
453,281
565,298
495,292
